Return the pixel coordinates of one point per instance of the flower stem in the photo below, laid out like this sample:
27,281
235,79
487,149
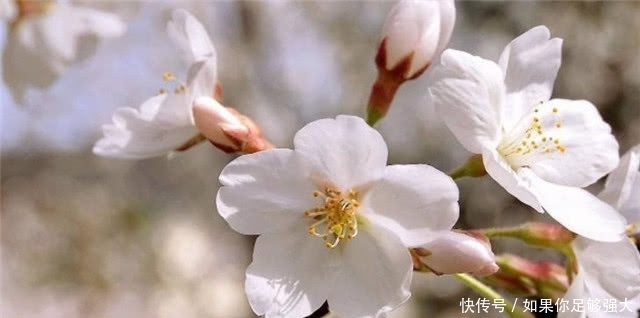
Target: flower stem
458,173
514,232
382,93
473,167
511,310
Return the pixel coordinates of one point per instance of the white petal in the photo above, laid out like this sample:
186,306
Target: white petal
343,152
286,277
513,181
575,291
530,64
161,125
578,210
612,269
201,79
468,93
453,252
8,10
631,208
26,66
414,202
94,22
190,36
66,29
566,142
265,192
621,183
447,22
426,46
41,47
374,275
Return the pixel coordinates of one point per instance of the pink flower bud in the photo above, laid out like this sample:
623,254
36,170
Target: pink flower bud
459,253
522,276
546,234
213,119
417,30
226,128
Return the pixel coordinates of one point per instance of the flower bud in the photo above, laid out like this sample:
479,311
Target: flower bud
456,252
546,234
211,118
415,31
226,128
521,276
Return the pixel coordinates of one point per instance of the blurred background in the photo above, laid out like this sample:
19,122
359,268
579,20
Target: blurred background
85,236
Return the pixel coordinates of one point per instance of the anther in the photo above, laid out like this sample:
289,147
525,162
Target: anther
168,76
180,89
337,215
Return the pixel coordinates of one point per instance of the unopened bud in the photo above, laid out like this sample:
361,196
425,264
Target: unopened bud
546,234
31,7
414,34
415,31
226,128
209,117
457,252
251,142
525,277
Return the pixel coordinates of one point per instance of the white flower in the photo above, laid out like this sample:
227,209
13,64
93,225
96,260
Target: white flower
606,272
622,189
541,151
165,122
334,221
417,29
611,270
43,44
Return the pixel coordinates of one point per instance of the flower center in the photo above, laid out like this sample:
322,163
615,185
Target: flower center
537,134
180,88
632,229
336,219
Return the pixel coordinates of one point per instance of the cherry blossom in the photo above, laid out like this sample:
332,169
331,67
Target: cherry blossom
46,39
164,123
541,151
334,220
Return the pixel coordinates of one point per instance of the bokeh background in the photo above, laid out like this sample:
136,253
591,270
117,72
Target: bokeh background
84,236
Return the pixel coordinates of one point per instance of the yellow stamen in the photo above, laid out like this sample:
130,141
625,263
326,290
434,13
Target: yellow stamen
535,135
168,76
336,219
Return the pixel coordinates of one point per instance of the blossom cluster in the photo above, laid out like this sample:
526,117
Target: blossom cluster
336,223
